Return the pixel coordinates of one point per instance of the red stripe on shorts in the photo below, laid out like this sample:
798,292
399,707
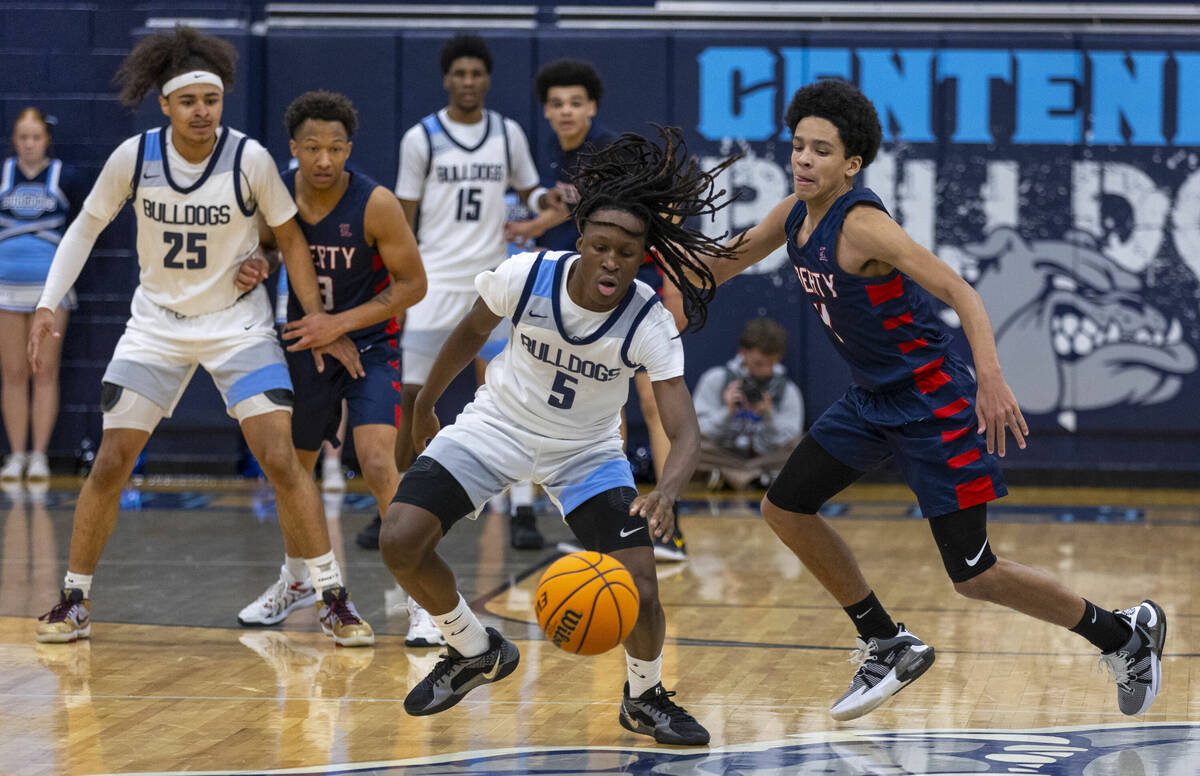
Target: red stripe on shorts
975,492
396,386
953,408
959,461
397,416
882,292
899,320
929,383
911,345
950,436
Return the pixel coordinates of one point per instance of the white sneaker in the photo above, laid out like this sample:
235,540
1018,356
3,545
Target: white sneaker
422,632
14,467
279,600
332,476
38,469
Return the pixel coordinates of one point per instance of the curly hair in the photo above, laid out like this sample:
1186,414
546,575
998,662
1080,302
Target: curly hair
464,45
162,56
568,72
322,106
661,186
842,104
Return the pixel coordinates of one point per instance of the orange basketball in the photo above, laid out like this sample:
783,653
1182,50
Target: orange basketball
586,603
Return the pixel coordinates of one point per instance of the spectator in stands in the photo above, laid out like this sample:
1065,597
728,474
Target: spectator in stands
36,199
750,413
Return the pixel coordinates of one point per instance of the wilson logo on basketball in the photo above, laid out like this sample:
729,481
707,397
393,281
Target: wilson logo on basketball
566,626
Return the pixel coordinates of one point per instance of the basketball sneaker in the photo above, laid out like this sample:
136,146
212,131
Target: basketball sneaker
70,619
340,619
38,468
671,549
523,533
422,630
653,713
1137,666
887,667
279,600
14,467
454,675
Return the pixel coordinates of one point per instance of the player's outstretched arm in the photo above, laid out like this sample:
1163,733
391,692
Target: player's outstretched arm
756,243
679,422
461,348
872,233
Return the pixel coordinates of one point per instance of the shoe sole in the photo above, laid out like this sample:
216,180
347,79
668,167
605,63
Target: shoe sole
307,600
891,684
354,641
421,641
637,727
66,638
478,681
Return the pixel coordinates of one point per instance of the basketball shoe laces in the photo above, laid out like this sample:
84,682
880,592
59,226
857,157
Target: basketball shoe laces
59,612
662,702
1120,668
341,609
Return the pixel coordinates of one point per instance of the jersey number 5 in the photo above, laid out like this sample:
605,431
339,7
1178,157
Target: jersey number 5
562,395
468,204
197,257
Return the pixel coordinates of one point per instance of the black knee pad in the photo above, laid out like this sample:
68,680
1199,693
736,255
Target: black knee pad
810,477
603,523
963,542
428,485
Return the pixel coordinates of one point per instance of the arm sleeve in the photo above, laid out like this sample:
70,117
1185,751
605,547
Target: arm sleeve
414,158
274,201
656,345
710,406
107,197
501,288
786,419
523,173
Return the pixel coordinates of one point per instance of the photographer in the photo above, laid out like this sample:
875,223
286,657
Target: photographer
750,413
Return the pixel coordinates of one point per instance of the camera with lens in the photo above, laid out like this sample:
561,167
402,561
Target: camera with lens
753,391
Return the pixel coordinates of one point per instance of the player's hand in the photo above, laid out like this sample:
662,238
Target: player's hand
996,408
523,233
658,509
425,426
345,351
43,324
251,272
312,331
568,195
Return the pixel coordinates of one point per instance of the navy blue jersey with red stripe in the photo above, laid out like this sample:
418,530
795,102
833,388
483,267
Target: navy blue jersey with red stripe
884,327
349,271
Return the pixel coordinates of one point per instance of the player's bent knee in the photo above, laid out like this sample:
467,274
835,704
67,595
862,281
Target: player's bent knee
408,536
980,587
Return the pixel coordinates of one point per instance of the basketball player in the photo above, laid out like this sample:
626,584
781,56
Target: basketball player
550,412
369,271
912,399
455,165
197,187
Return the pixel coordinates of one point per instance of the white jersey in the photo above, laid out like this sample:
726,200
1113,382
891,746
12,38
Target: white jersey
565,371
195,222
459,174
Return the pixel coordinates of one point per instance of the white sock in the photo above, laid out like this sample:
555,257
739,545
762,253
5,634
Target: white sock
296,568
520,495
324,572
643,674
463,630
81,581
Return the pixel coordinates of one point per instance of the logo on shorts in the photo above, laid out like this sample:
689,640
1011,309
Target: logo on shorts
344,230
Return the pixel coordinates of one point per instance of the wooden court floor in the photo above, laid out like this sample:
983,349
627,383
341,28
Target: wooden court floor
170,684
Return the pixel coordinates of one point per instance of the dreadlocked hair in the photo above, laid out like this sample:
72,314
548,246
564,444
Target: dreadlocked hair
162,56
661,186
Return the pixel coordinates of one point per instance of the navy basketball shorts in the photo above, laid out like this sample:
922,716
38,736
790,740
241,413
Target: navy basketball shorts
372,399
931,437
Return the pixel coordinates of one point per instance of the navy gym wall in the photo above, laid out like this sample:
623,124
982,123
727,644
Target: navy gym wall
1058,174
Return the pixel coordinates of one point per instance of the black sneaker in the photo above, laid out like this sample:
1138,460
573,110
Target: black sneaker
653,713
454,676
1137,666
888,666
368,537
523,531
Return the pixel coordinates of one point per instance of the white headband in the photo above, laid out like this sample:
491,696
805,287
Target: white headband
194,77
